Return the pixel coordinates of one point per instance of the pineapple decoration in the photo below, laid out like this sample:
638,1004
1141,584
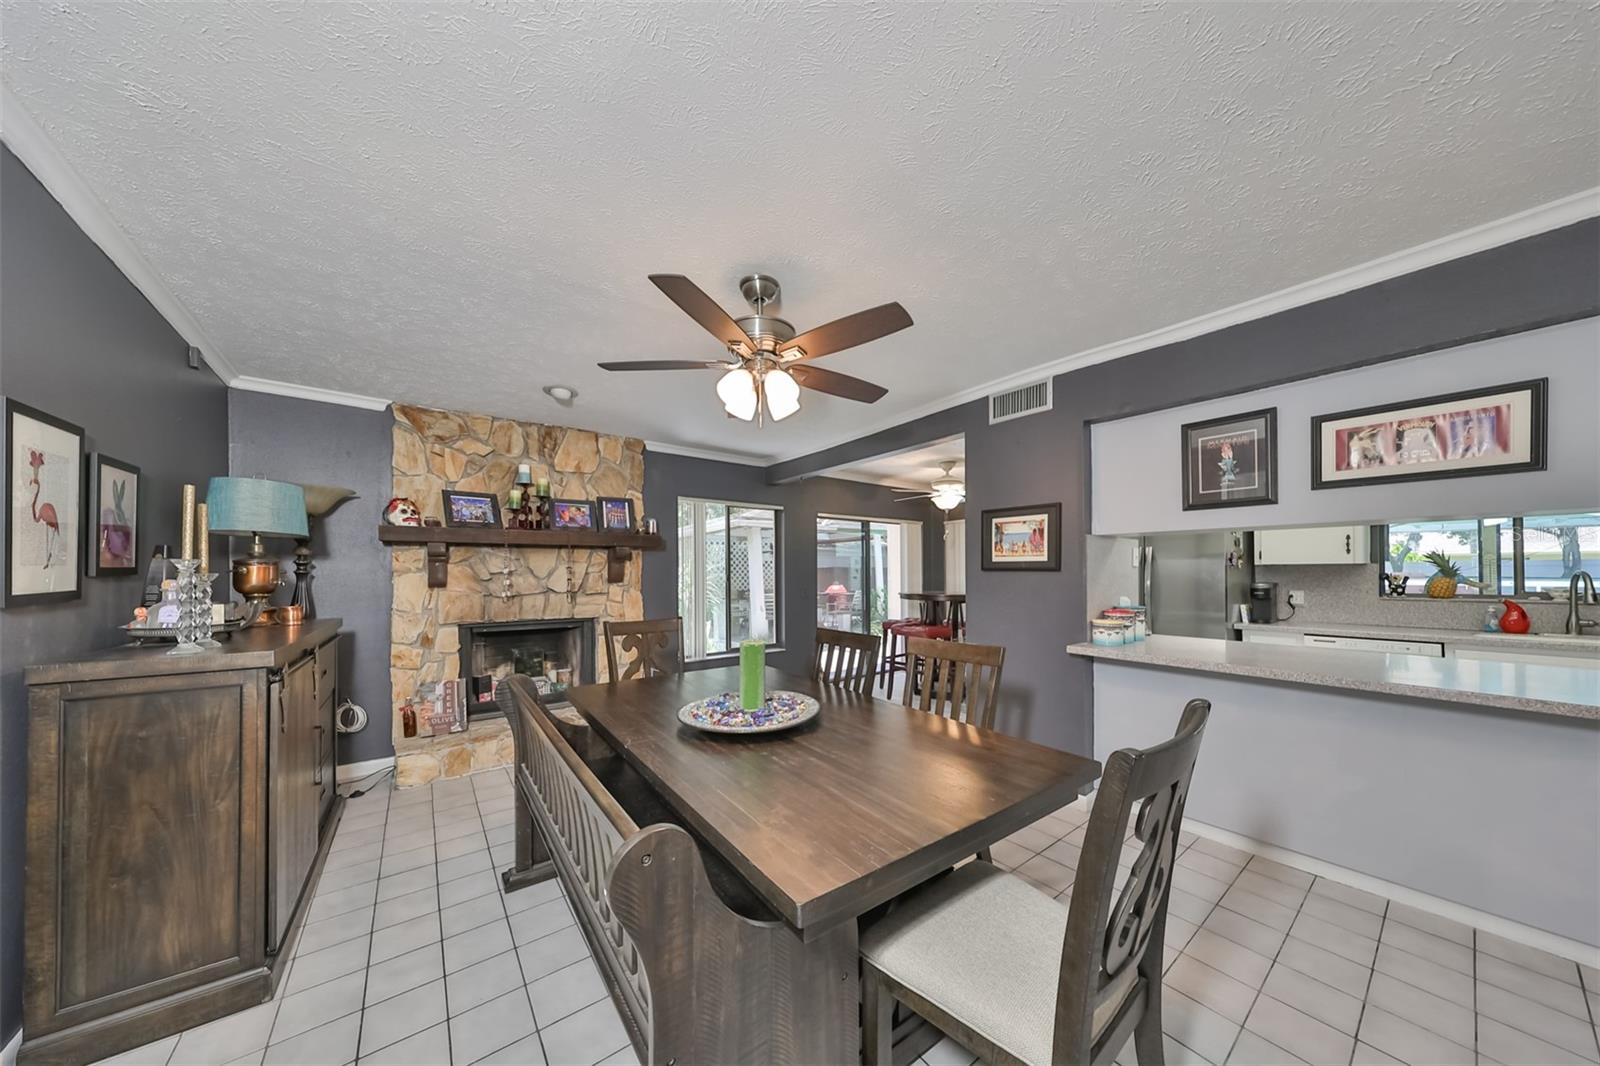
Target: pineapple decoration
1442,585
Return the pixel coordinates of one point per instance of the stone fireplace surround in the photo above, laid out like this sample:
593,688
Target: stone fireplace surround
437,450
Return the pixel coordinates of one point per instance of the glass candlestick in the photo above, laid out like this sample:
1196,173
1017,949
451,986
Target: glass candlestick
188,603
203,610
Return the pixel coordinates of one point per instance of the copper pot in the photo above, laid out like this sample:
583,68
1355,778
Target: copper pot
255,578
289,615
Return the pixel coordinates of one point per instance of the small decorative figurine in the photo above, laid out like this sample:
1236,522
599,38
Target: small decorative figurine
402,512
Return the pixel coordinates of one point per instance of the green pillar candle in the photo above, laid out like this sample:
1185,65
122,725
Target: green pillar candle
752,673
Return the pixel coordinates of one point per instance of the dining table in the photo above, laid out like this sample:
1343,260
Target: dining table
937,608
842,813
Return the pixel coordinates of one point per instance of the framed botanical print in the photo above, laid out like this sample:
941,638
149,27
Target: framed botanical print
113,545
1232,461
1022,538
1497,429
44,507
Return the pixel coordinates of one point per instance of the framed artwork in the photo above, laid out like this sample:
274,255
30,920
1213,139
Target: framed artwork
44,507
113,545
1492,430
1022,538
571,514
1232,461
471,510
616,514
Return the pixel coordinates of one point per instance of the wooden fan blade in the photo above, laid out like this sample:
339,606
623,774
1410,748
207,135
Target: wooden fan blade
703,309
849,331
834,384
663,364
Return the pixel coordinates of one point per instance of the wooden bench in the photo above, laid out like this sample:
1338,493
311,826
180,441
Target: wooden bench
699,968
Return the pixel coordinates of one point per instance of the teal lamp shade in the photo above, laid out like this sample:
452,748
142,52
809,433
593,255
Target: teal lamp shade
242,506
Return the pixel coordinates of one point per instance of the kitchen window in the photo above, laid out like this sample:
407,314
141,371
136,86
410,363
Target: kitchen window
729,575
1511,556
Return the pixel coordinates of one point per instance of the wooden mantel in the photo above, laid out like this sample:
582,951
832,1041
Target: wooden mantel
619,547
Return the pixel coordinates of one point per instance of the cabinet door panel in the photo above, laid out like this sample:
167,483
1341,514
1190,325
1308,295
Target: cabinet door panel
294,797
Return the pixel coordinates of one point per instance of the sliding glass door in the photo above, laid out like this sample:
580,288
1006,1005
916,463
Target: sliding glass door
862,568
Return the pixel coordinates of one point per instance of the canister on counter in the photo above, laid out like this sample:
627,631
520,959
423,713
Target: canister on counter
1111,632
1134,616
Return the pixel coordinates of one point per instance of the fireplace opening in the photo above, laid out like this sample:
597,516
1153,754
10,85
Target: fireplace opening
556,652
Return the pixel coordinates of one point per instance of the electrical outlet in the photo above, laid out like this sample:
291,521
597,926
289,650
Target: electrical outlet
1297,598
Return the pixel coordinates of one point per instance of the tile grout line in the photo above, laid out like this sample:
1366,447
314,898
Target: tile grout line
1274,962
1366,993
1476,1039
366,975
1583,986
438,910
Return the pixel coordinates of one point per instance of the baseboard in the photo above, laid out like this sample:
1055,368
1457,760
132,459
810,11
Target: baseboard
8,1054
355,771
1576,950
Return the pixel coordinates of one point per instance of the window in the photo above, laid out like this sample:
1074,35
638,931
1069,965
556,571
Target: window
728,575
862,568
1502,556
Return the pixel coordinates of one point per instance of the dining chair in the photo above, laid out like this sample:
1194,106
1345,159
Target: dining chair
1018,977
960,681
655,646
846,659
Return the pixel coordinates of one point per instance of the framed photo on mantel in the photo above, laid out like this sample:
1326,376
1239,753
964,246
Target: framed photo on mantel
1232,461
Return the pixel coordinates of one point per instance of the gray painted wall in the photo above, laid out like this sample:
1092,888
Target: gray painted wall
1138,482
1420,808
1047,696
78,341
303,441
667,477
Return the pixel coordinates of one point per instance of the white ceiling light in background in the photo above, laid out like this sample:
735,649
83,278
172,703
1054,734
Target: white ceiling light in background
1311,189
947,490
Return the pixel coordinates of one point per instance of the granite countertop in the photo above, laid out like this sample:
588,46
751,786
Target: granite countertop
1565,691
1472,638
246,649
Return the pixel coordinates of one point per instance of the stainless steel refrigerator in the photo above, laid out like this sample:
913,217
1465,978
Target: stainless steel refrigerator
1192,583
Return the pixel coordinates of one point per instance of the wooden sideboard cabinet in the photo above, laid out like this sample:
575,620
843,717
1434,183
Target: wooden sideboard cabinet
178,807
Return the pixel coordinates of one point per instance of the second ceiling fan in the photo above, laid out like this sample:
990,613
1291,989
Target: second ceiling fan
770,362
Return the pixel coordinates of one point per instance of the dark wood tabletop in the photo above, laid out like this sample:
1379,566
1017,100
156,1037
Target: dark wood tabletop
935,597
244,649
835,816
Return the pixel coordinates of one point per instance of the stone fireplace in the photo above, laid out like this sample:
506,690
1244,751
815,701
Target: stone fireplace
559,650
490,585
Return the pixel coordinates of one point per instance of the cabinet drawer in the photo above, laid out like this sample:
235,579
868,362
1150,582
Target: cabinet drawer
327,670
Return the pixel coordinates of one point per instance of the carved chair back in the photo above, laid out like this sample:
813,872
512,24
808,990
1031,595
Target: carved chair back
846,659
651,648
952,680
1111,961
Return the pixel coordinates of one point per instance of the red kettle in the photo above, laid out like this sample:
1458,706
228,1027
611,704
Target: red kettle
1515,620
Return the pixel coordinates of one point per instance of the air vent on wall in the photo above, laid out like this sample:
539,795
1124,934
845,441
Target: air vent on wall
1023,400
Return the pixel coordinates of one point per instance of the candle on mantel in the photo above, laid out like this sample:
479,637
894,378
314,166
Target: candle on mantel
202,534
188,522
524,473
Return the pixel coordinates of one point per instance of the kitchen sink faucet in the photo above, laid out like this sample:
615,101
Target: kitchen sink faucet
1575,622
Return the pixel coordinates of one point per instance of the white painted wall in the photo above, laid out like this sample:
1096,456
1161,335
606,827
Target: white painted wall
1138,486
1495,810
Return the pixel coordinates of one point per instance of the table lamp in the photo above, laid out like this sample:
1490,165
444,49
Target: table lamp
256,508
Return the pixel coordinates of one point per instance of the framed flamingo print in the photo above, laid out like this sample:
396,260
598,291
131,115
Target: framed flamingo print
44,507
113,546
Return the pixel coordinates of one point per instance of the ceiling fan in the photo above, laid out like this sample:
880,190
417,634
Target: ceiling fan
769,360
947,491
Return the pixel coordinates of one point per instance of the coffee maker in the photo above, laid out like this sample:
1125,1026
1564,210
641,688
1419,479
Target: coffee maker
1263,601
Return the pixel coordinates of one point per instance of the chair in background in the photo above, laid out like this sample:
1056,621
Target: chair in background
846,659
650,648
895,635
1016,976
960,681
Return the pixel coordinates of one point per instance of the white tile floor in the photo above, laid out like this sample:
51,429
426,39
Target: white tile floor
412,954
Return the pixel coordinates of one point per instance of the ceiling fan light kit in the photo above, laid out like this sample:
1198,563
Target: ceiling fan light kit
761,378
948,491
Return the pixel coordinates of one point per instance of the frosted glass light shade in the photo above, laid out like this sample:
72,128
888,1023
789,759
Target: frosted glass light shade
737,391
783,394
948,499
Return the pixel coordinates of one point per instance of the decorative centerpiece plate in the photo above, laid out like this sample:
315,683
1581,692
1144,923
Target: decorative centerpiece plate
723,714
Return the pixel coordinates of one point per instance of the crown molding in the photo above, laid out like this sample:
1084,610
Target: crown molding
712,454
1542,219
29,143
309,392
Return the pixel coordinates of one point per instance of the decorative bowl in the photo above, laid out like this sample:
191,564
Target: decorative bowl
723,714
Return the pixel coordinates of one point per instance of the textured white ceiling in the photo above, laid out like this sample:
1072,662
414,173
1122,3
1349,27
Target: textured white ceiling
454,204
915,468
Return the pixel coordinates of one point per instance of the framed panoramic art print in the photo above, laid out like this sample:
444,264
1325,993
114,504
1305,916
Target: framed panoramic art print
113,545
471,510
1497,429
1232,461
1022,538
44,507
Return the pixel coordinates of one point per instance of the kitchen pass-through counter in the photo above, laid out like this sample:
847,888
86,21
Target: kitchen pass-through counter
1473,782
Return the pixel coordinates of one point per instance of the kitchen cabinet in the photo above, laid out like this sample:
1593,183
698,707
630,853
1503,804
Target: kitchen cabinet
176,815
1315,544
